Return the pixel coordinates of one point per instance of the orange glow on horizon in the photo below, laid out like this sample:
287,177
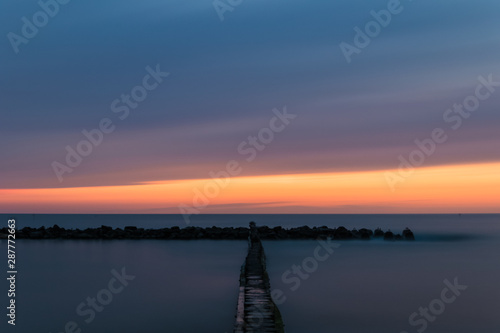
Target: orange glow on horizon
470,188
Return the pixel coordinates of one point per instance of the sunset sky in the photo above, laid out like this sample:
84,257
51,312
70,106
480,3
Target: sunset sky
350,127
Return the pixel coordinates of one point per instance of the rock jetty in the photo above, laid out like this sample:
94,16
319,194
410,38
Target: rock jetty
193,233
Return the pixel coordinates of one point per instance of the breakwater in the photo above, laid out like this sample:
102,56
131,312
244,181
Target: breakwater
193,233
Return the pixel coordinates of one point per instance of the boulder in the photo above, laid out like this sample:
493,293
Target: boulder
408,234
378,233
388,235
342,233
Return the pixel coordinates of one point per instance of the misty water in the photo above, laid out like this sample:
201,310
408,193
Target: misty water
192,286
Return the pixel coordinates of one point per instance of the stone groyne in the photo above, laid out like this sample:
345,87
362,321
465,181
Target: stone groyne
193,233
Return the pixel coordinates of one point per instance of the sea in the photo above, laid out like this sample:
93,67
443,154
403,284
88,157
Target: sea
446,281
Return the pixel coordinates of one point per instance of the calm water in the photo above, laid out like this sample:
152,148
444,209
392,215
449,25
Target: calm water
192,286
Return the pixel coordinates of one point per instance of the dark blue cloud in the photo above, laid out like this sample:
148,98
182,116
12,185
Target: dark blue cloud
227,76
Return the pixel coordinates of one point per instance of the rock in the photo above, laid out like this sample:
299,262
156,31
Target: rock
388,235
342,233
408,234
188,233
365,233
378,233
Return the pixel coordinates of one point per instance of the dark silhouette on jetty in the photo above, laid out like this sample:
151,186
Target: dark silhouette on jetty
193,233
256,311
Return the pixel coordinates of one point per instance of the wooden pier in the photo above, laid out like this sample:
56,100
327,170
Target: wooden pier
256,311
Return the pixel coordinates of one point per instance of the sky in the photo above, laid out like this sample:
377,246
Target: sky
331,133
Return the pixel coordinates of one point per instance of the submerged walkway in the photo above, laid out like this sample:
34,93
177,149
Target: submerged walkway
256,311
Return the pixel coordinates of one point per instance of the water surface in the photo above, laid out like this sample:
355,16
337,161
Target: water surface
192,286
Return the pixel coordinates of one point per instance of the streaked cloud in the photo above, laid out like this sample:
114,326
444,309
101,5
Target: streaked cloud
226,77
